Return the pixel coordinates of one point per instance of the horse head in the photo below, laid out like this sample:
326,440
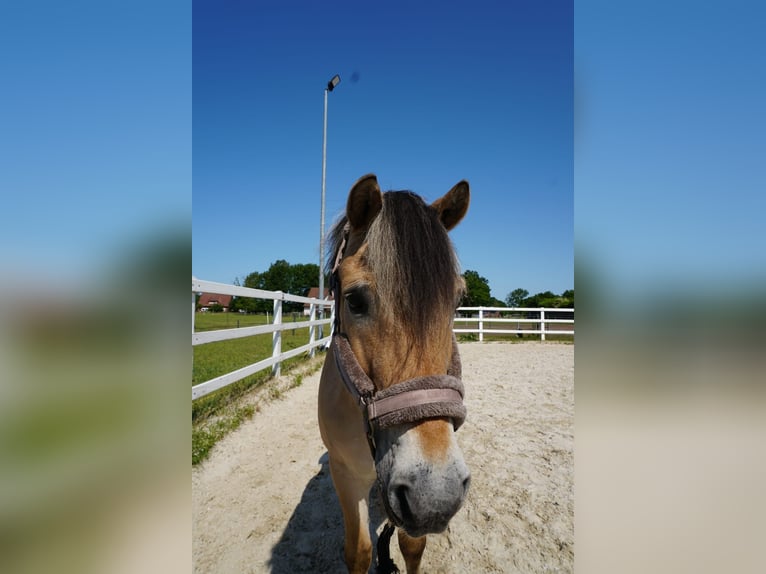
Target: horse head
397,283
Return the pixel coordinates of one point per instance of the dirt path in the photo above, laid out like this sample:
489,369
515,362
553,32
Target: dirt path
264,501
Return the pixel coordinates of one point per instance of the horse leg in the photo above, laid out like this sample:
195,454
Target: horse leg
412,550
352,493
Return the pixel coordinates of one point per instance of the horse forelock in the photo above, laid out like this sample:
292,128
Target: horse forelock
334,241
412,258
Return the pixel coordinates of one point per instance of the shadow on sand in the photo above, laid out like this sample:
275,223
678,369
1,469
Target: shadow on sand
313,538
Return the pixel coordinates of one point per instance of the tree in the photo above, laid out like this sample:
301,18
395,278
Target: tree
254,280
476,290
305,275
280,276
544,299
516,297
550,300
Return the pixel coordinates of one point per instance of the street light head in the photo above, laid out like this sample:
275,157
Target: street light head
334,82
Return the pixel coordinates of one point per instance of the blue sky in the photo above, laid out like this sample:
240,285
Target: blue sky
95,136
669,183
670,146
430,93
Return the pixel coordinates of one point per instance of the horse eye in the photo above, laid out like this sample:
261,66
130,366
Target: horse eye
357,302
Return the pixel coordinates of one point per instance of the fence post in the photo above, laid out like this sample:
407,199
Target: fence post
194,309
312,329
276,337
542,324
481,325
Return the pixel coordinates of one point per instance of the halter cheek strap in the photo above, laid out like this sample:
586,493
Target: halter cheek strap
334,279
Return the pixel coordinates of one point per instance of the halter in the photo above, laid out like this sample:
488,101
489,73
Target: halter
409,401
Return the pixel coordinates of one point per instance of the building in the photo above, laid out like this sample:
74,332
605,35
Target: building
207,300
314,294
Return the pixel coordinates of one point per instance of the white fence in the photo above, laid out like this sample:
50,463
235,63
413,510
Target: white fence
486,320
527,321
276,328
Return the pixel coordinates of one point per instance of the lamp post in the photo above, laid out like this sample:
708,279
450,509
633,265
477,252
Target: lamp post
330,87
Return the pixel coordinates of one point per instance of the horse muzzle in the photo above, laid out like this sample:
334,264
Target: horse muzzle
421,491
421,496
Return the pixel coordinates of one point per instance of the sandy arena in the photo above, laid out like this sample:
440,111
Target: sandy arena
264,500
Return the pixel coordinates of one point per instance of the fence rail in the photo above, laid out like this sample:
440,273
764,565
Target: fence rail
483,317
533,316
317,306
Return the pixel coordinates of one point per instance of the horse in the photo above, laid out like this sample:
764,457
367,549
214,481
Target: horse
390,394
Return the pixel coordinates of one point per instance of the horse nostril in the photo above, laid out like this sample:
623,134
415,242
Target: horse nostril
401,492
466,485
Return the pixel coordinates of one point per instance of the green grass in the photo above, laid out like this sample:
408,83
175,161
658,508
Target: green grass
219,413
215,359
205,437
213,321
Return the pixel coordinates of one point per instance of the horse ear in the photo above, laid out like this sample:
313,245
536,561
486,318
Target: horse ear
364,202
453,206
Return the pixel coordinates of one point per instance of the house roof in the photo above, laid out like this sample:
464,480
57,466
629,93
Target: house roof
207,299
314,293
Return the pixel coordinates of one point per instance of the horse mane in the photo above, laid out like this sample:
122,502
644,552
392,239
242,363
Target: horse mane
411,255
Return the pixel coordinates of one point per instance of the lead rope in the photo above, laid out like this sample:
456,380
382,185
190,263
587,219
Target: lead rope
385,564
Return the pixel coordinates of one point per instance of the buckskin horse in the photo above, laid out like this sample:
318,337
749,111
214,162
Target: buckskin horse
390,394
